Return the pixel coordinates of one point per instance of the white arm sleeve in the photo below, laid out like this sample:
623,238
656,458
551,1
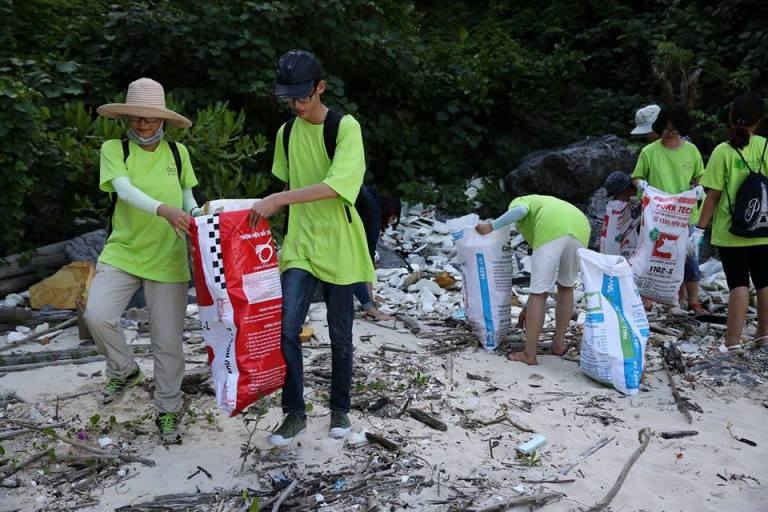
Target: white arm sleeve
513,215
189,204
133,196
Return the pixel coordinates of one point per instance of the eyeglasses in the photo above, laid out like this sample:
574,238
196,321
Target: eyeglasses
144,120
301,101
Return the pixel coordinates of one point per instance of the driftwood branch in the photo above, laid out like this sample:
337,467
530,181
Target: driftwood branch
35,335
645,437
426,419
678,434
586,454
381,441
82,446
26,462
682,405
538,500
284,495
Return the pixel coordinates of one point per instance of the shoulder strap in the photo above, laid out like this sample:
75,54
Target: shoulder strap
176,157
287,137
759,171
331,131
126,149
762,158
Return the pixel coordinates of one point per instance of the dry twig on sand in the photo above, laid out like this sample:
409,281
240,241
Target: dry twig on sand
645,437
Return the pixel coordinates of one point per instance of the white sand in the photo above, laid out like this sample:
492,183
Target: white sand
672,475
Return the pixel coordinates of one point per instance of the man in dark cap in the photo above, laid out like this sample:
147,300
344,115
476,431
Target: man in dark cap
325,242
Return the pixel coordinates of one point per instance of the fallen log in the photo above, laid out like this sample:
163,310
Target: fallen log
19,283
49,257
35,366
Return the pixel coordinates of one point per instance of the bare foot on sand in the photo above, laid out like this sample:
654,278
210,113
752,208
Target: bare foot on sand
559,349
522,357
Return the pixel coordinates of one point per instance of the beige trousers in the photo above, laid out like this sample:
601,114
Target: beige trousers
111,291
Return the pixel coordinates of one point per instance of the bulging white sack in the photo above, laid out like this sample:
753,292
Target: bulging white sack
616,327
659,262
619,233
486,267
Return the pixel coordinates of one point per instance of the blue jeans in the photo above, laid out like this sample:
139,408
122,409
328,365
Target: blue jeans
361,294
298,287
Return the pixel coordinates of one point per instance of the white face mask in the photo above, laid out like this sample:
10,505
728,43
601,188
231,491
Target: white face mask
146,141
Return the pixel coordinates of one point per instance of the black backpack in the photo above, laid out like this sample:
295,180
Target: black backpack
749,213
330,132
126,153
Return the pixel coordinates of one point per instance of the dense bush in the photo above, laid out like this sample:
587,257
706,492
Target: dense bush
445,91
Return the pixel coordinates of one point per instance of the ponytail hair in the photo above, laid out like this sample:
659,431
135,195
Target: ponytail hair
746,111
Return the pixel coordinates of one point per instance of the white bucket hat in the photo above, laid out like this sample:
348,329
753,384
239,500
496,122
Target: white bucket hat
145,98
644,119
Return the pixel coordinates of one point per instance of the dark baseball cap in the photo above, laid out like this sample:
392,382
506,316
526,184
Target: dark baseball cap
617,182
297,73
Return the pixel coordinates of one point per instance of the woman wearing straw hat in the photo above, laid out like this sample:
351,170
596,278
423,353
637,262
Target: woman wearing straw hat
146,247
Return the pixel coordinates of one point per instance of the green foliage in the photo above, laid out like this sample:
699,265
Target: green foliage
444,91
223,154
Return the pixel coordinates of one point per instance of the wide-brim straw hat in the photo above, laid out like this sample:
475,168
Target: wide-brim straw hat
145,98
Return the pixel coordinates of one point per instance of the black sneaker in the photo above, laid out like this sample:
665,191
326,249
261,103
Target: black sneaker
168,424
292,425
115,387
340,425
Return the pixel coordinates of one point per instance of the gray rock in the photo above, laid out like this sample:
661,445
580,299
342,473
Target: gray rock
86,247
573,172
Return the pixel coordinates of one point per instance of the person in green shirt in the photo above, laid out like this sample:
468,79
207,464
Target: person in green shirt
743,258
325,242
145,248
554,230
674,165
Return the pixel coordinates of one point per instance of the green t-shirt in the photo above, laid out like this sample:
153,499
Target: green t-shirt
550,218
326,238
726,169
670,170
143,244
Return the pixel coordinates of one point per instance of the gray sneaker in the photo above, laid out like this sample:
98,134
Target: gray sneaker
340,425
292,425
168,424
115,387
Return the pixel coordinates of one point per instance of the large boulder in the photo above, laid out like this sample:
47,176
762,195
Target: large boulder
574,172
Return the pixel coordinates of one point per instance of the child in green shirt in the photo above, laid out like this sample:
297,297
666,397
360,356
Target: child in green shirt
554,230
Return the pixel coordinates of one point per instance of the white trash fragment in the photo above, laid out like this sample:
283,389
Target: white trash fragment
14,336
42,327
357,439
105,441
534,443
426,284
23,329
13,300
427,300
